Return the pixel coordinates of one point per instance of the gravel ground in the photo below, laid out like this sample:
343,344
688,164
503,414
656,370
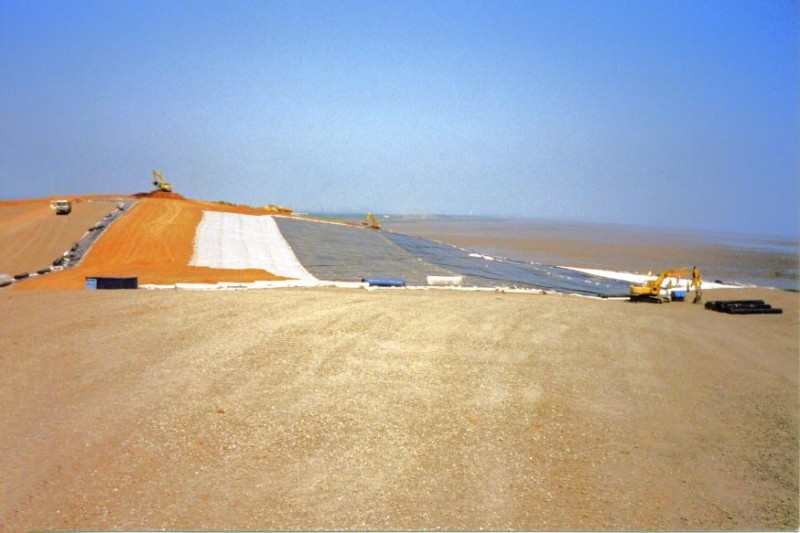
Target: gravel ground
338,409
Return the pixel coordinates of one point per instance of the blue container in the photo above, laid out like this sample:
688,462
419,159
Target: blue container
385,282
99,283
678,296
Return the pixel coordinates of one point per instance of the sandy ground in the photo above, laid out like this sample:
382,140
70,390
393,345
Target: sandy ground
341,409
32,236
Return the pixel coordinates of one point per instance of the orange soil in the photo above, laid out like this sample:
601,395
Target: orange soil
160,194
154,242
32,236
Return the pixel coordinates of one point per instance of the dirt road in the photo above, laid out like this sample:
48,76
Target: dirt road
341,409
32,236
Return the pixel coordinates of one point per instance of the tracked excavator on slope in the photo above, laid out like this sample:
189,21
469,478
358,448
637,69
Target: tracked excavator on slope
652,289
371,222
158,181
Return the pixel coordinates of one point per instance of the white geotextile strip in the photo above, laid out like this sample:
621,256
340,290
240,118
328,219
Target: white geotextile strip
233,241
642,278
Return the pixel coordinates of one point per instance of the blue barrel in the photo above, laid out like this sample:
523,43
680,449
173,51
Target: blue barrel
385,282
91,284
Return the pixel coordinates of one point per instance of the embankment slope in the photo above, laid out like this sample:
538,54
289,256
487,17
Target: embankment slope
154,242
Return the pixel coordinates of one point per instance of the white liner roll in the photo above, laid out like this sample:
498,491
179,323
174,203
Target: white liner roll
445,281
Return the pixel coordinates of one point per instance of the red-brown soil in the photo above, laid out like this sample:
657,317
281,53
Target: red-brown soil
160,194
154,242
32,235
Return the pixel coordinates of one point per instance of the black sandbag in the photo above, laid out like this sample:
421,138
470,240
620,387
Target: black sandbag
714,304
754,311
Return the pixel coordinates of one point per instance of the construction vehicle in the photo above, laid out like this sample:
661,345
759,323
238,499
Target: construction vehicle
61,207
652,290
158,181
278,209
371,222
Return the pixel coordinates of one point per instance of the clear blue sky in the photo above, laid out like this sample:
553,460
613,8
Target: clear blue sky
668,113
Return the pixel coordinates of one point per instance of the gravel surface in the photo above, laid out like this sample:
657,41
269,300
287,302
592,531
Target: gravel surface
340,409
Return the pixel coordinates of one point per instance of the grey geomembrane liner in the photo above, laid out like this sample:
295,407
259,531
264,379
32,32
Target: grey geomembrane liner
345,253
502,272
336,252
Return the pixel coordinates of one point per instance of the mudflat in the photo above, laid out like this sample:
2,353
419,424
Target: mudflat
345,409
759,260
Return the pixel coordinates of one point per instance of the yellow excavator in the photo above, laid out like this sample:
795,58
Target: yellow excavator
651,290
278,209
371,222
158,181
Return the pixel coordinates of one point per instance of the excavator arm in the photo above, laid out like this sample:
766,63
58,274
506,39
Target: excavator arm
651,290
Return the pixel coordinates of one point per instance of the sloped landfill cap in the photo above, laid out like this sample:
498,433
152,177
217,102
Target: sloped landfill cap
337,252
345,253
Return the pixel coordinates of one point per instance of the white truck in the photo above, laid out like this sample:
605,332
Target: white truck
61,207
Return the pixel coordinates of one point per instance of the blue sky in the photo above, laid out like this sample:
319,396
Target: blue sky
674,114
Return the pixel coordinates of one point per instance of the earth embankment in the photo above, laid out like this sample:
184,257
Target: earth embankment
154,242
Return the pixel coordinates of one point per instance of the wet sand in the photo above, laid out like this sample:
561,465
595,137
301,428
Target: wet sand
615,248
340,409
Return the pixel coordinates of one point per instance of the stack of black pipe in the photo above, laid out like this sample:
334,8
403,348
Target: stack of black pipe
743,307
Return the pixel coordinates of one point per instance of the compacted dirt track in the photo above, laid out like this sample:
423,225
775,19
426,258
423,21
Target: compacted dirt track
307,409
152,242
32,235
